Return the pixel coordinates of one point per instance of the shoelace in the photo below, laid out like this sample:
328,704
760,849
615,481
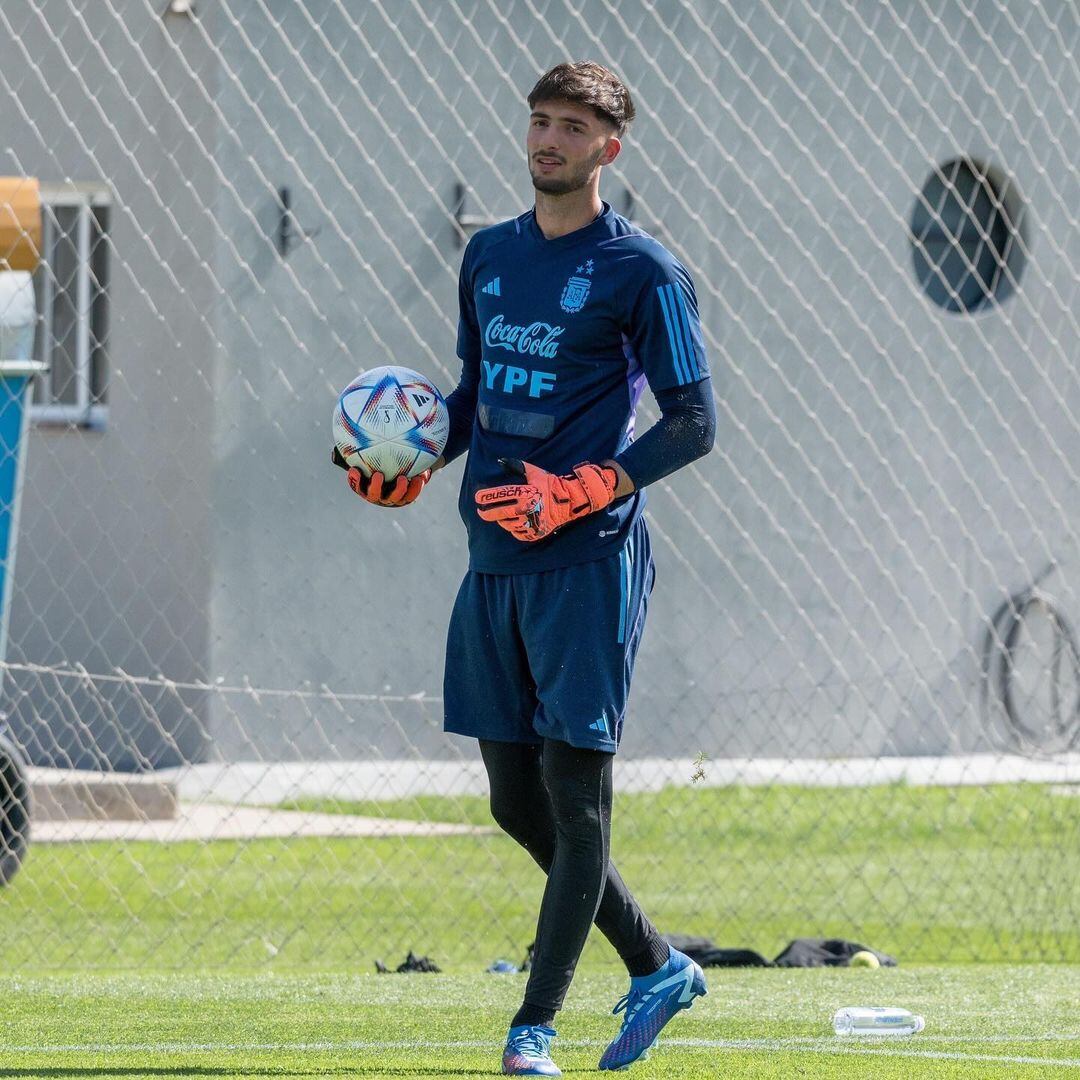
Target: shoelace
529,1044
629,1003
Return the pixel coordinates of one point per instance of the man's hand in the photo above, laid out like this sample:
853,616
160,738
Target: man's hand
545,502
374,489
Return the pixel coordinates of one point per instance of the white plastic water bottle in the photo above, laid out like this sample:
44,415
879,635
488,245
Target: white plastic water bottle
876,1020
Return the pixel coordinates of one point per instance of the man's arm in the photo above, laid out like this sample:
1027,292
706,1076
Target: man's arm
685,432
540,502
664,331
461,404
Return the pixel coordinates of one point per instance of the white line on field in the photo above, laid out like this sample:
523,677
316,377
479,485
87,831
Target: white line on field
225,1047
816,1045
870,1040
948,1055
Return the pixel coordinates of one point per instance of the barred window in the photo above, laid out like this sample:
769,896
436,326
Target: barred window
71,285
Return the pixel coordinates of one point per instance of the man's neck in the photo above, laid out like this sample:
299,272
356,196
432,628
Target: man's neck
559,215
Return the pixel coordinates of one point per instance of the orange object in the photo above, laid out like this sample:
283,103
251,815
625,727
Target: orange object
403,492
20,223
534,509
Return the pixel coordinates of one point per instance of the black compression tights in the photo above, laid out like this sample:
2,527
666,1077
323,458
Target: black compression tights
555,801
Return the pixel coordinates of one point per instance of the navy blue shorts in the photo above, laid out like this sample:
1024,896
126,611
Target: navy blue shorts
549,655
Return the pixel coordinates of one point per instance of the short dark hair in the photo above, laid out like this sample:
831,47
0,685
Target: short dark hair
585,82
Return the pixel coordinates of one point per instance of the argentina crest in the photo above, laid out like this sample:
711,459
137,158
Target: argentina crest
576,290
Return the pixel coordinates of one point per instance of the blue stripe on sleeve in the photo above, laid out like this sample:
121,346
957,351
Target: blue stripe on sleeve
682,331
680,340
692,364
670,321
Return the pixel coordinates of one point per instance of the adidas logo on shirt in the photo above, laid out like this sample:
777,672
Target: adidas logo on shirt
492,288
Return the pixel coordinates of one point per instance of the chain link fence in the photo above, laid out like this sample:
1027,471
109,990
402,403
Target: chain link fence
857,706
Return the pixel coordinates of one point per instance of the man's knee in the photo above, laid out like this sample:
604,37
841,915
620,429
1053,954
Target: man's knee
526,820
579,788
509,813
577,811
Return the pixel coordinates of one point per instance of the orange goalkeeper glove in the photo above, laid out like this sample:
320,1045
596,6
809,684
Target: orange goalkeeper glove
545,502
374,488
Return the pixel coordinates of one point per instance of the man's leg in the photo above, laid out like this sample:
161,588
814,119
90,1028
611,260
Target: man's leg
522,808
578,783
488,691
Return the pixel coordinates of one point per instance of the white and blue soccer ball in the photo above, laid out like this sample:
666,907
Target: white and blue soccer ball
391,420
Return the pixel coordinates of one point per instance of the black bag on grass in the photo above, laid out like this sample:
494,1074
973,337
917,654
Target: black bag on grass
826,952
802,952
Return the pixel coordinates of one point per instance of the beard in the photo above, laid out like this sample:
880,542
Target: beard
564,185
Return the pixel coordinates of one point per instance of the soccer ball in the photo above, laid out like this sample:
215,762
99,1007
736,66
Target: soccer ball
390,420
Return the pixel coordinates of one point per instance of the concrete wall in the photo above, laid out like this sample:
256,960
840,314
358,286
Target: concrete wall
113,561
885,472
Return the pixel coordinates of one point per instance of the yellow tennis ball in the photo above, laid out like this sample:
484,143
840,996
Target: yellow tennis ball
864,959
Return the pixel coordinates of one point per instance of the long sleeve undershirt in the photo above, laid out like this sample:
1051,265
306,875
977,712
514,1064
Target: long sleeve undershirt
461,404
684,432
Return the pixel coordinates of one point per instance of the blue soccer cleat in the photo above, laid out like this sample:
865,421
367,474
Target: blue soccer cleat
527,1052
653,1000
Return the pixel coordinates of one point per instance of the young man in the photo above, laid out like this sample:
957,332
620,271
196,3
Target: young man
565,311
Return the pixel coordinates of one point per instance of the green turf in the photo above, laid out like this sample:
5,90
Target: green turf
929,874
991,1021
291,927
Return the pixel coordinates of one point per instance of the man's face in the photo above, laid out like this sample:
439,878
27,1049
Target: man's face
566,144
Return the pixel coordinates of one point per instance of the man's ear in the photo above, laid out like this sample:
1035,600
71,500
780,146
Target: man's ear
611,151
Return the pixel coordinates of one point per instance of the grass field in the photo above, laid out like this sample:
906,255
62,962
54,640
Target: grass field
927,874
104,943
992,1021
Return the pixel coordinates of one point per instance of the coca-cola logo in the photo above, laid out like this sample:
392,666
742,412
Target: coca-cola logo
535,339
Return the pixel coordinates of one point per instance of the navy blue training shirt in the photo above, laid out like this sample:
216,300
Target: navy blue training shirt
556,339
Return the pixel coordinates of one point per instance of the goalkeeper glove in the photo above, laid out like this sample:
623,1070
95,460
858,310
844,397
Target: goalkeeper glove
545,502
374,488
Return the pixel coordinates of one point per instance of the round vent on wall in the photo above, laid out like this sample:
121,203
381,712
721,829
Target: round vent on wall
967,236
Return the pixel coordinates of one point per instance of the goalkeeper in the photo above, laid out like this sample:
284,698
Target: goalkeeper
565,312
